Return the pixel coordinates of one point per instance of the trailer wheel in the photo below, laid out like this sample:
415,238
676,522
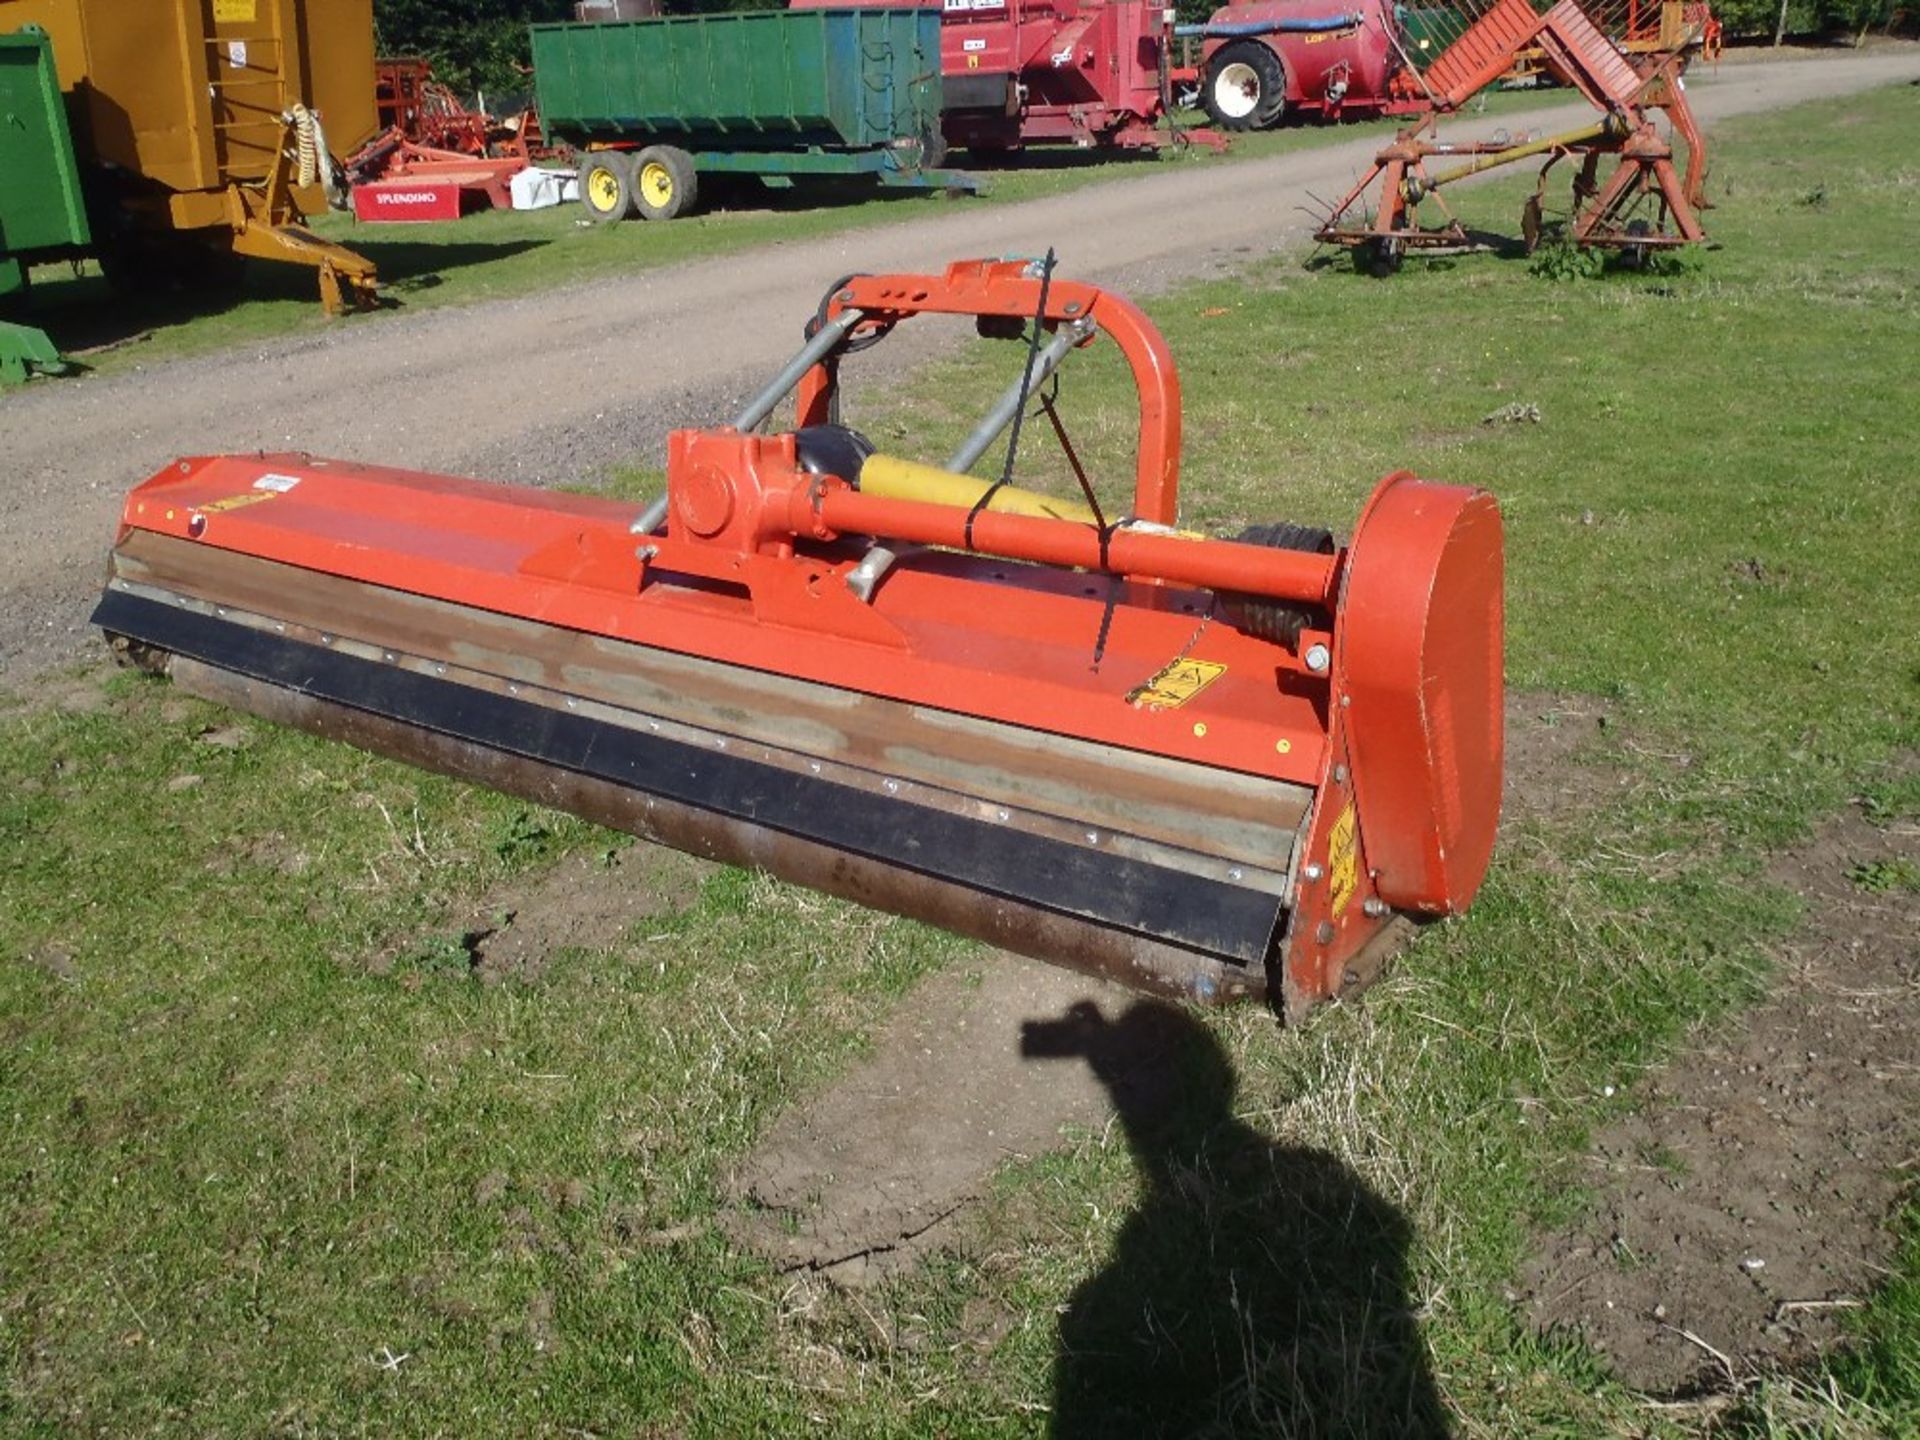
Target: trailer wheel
666,184
933,149
606,185
1635,254
1245,87
1380,256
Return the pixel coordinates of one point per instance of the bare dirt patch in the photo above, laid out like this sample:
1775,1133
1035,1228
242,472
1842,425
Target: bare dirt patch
1555,762
1742,1208
872,1172
584,902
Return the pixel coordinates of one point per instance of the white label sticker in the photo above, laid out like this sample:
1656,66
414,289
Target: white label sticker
973,44
280,483
237,54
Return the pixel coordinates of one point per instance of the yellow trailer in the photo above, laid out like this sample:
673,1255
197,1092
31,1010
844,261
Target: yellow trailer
214,119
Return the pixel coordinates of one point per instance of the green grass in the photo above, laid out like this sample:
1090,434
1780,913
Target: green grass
1869,1390
244,1164
500,253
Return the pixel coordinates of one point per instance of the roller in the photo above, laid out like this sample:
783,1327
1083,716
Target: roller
1069,729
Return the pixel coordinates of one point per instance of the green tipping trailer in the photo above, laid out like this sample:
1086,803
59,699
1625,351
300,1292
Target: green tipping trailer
43,215
778,94
1425,31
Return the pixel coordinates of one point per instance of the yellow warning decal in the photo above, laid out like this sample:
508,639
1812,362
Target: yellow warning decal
1343,862
234,502
226,10
1177,684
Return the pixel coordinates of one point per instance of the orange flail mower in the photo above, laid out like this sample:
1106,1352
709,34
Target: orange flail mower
1211,768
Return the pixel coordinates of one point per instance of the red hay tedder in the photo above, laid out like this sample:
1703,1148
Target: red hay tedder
1643,204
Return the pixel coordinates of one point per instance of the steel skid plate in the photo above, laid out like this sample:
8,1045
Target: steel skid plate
1166,874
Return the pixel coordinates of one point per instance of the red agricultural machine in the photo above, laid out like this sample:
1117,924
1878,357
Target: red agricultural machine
1107,72
1213,768
1263,61
434,157
1643,204
1056,72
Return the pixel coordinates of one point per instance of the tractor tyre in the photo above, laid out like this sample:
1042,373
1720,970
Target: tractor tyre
1245,87
665,182
607,186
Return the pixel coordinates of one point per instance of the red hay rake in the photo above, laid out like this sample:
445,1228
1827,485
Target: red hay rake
1643,205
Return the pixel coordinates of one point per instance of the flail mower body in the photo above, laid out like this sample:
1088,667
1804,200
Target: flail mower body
1211,768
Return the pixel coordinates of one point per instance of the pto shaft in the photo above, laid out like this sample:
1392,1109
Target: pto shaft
1207,564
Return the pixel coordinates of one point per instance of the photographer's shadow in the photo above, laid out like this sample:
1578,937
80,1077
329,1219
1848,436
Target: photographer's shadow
1258,1289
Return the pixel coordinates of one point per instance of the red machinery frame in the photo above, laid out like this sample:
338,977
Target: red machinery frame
1626,90
1091,73
429,139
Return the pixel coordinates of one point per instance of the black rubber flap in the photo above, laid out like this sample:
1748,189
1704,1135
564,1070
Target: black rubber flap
1230,922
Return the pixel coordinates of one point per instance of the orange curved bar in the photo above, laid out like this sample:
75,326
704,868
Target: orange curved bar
1012,288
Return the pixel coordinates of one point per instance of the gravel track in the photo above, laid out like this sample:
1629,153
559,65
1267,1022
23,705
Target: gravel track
619,361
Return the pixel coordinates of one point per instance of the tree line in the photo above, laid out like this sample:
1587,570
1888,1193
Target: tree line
482,44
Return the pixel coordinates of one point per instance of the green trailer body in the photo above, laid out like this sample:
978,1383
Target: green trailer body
1426,31
41,207
43,215
778,93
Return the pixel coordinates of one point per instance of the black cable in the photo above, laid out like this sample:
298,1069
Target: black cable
1020,410
849,346
1050,408
1052,413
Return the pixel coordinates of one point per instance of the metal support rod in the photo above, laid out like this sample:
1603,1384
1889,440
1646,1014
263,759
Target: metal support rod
1001,415
1250,29
650,519
863,578
812,353
1518,152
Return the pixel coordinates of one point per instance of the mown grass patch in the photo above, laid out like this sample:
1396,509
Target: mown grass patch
254,1183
